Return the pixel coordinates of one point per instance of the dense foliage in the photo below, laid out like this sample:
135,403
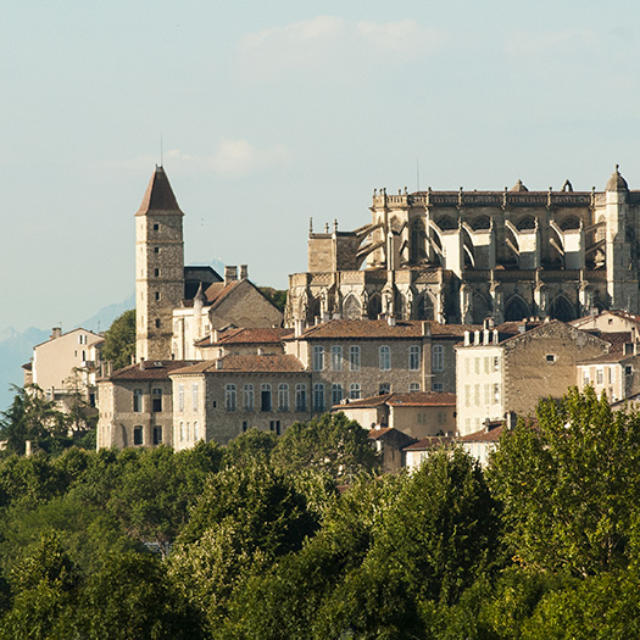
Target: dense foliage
120,340
255,541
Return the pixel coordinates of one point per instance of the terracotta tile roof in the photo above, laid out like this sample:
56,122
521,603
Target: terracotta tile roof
149,370
269,363
363,403
374,434
432,442
422,399
159,195
382,329
218,291
241,336
492,435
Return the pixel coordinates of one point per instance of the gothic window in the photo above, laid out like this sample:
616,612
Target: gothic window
516,309
417,241
351,309
375,307
528,222
426,307
562,309
479,308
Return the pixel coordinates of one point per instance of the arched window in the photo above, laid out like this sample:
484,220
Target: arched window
414,357
562,309
481,222
375,307
351,309
283,397
516,309
528,222
230,398
426,307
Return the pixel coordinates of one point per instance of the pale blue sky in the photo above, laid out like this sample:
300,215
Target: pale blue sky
274,112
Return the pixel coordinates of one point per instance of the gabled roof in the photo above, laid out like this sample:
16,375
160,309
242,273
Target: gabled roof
268,363
414,399
382,329
246,336
149,370
98,338
159,195
551,324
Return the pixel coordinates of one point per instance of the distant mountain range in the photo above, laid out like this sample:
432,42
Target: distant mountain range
16,346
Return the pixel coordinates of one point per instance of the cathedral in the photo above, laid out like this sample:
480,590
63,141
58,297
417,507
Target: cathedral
462,256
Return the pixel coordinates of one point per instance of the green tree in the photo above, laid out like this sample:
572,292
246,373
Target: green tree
277,297
569,488
253,445
31,417
120,340
330,443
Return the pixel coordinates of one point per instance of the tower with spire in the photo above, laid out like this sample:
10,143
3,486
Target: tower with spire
159,267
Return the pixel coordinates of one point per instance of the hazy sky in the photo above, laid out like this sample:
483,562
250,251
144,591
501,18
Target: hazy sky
272,112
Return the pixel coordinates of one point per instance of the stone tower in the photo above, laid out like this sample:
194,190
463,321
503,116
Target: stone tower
159,268
622,267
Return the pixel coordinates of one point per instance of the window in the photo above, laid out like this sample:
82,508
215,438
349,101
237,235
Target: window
496,363
301,397
156,249
467,395
586,379
437,359
157,435
318,358
245,426
487,394
137,400
336,394
354,358
599,376
550,357
437,386
384,387
137,435
196,431
181,431
230,397
414,357
265,397
194,396
180,397
355,391
336,358
487,364
157,323
384,358
188,431
609,374
283,397
496,393
274,425
156,400
476,366
318,397
156,227
156,295
476,395
414,387
627,372
247,392
156,272
82,339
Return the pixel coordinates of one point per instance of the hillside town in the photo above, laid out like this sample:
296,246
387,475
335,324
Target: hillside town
444,320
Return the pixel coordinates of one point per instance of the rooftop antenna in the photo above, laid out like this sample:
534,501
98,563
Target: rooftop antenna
417,174
161,152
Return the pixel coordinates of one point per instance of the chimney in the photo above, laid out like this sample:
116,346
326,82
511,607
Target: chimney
467,338
488,323
260,351
142,365
426,329
476,337
391,320
486,336
56,332
316,320
244,272
496,336
219,363
213,336
510,420
230,274
298,328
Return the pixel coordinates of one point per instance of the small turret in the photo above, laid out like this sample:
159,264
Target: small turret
616,182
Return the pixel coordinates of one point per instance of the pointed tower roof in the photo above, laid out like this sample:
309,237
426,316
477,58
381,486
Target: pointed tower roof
159,195
519,186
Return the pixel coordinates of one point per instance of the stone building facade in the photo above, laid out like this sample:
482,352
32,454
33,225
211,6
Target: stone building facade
462,256
499,371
